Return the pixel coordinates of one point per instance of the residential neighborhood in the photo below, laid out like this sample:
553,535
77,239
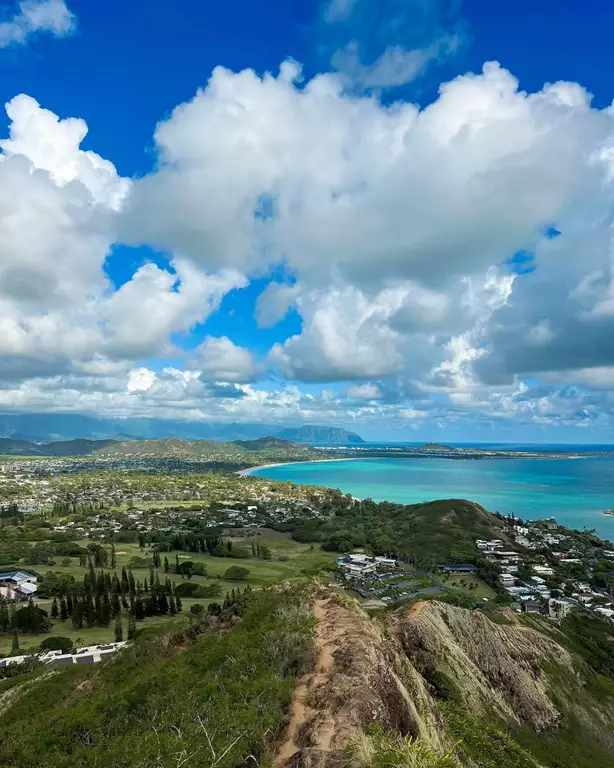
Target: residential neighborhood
547,571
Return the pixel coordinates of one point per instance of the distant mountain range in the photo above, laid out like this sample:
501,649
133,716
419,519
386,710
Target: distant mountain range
46,427
164,447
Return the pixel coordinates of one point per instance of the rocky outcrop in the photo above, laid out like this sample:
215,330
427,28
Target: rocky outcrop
361,676
392,672
494,667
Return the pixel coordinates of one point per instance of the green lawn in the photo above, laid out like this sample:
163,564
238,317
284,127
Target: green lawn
460,584
262,572
95,635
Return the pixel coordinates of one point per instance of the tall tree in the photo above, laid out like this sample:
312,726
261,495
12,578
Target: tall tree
4,617
166,565
63,610
77,615
113,556
90,612
54,608
131,628
124,581
119,630
15,642
139,609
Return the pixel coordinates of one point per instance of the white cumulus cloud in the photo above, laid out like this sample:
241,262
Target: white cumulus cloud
34,16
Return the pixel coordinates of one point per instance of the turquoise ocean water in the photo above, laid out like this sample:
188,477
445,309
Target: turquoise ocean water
575,491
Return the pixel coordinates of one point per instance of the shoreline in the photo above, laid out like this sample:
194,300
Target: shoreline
247,472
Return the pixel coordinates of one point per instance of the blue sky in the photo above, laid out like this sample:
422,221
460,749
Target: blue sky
403,280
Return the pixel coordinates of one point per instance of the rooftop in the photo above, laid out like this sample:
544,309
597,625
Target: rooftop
15,576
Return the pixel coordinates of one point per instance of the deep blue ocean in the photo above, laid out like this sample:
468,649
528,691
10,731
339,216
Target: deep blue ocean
574,490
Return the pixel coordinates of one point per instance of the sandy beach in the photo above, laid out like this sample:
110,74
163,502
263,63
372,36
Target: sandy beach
288,463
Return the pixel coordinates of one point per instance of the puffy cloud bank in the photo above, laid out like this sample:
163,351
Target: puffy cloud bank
448,262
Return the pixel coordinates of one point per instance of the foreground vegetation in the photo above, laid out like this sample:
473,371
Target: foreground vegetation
213,695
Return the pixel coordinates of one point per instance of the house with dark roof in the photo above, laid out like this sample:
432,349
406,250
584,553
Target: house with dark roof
457,568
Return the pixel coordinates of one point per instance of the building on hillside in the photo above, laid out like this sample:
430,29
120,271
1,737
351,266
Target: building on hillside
543,570
522,530
356,566
533,606
501,556
507,580
386,562
558,609
492,544
17,585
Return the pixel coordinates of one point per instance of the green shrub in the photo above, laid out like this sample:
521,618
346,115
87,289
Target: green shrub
236,573
186,589
57,643
208,591
376,748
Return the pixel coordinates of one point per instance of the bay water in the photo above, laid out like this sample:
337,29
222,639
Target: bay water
574,490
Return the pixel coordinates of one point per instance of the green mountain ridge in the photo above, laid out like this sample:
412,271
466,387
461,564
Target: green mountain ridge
163,447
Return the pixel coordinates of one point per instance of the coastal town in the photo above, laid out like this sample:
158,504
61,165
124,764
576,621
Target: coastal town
549,570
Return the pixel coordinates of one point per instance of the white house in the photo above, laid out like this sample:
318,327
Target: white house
507,580
558,609
357,565
17,585
543,570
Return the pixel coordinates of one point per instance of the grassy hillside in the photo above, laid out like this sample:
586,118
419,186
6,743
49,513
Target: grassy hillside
270,444
212,696
427,533
169,447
